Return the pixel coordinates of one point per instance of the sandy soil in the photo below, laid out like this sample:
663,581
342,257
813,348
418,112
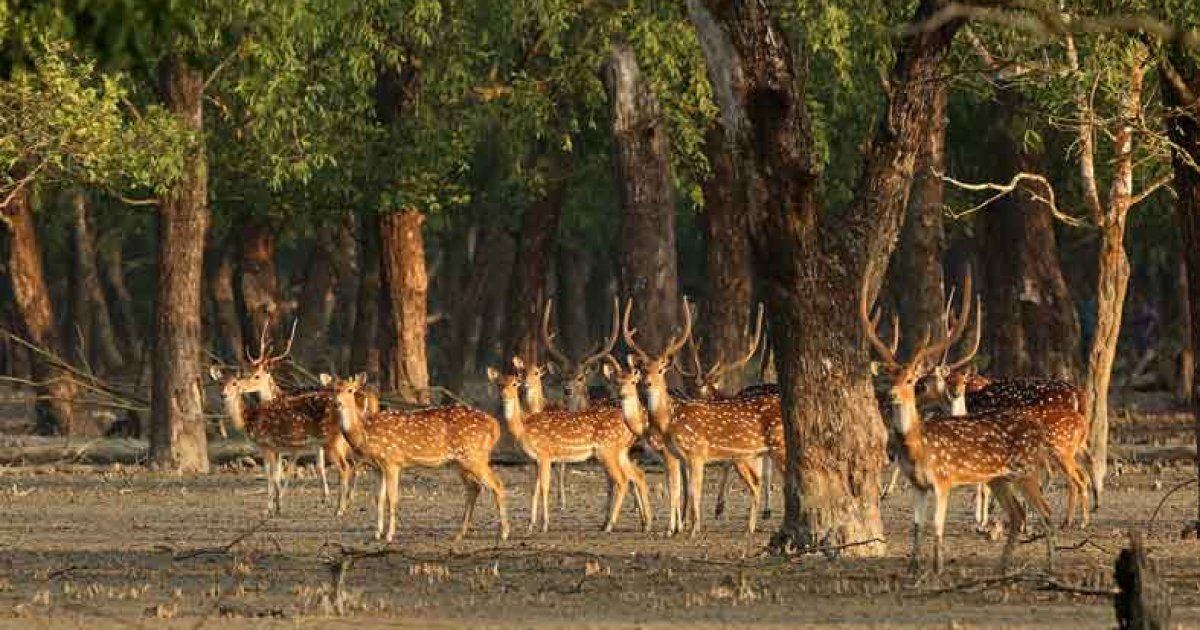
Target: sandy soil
116,546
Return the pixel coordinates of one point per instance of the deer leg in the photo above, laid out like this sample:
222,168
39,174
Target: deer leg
618,487
346,475
278,474
472,488
1033,492
941,499
1016,515
891,486
751,474
269,463
641,493
920,506
674,488
536,495
324,477
545,477
722,489
983,499
486,476
380,504
766,487
695,470
393,500
562,486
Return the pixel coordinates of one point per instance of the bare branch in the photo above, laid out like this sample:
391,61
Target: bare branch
1004,189
1151,189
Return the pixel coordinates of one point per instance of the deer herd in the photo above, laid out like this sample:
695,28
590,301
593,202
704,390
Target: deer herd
946,425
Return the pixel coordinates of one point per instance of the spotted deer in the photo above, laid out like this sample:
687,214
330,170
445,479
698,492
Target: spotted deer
1004,448
573,436
706,384
533,396
738,430
285,424
393,440
575,373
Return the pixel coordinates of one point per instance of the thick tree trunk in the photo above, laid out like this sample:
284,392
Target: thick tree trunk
1184,130
916,278
407,289
1185,363
255,280
177,427
55,392
112,267
727,263
93,316
226,326
1033,327
574,272
316,306
364,351
646,232
345,293
812,263
528,292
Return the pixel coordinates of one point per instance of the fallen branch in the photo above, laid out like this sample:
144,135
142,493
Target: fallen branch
1177,488
225,549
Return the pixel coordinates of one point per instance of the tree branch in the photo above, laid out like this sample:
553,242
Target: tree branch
1150,190
1004,189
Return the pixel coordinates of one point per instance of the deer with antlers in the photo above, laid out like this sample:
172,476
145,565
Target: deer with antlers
575,373
285,424
573,436
1004,448
706,384
739,430
393,440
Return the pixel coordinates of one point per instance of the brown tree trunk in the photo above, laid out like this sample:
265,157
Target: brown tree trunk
345,293
364,351
916,271
727,264
1033,327
55,392
574,272
812,263
407,288
1185,363
1183,126
94,316
528,291
226,326
112,267
646,232
316,306
177,427
255,281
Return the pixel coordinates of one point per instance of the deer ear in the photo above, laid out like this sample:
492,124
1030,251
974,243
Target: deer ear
326,379
876,368
360,379
631,361
551,368
492,374
215,373
608,372
518,363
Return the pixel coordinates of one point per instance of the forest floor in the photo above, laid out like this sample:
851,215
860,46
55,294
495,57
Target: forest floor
112,545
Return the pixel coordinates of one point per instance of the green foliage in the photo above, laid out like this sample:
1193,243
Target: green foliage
62,120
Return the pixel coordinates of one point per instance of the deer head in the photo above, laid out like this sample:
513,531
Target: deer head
654,367
903,376
575,374
259,380
346,392
625,382
707,383
530,378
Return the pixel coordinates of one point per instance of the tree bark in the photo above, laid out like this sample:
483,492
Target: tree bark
727,265
55,392
345,292
574,272
1183,127
812,263
916,276
407,289
646,231
364,351
177,427
112,267
1033,326
316,305
1185,363
93,316
227,326
255,281
528,291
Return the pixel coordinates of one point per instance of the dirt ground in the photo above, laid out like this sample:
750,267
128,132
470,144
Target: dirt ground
117,546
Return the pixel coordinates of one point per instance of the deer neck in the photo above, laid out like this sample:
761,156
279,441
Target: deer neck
958,406
658,404
634,414
271,392
514,416
907,425
535,398
236,410
350,420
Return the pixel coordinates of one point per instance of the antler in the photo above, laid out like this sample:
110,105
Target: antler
604,349
960,325
886,353
548,340
676,343
719,369
262,346
946,324
695,352
965,359
628,333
